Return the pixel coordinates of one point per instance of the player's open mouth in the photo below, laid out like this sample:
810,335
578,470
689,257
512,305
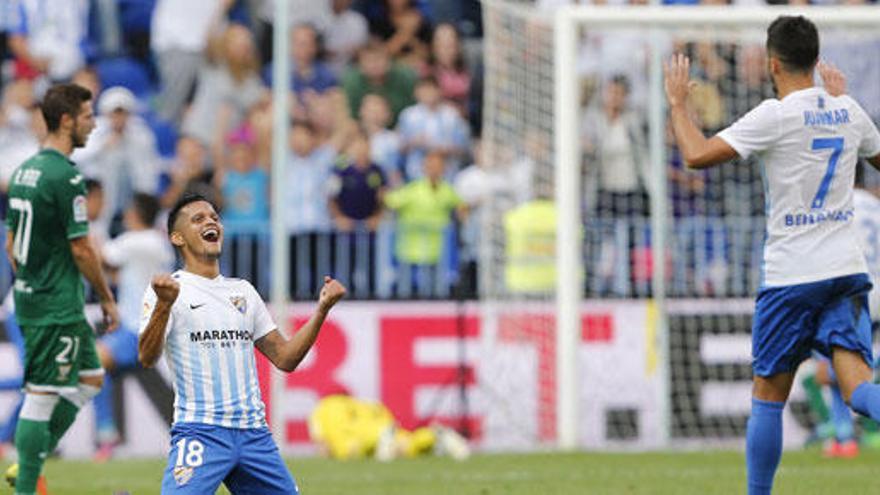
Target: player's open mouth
211,234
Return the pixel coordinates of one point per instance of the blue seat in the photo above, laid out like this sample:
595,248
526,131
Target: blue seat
166,134
127,72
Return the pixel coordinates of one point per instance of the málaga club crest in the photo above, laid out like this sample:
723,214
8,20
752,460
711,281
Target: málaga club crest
240,303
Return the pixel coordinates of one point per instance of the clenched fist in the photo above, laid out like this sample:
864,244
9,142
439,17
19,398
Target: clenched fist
166,288
331,293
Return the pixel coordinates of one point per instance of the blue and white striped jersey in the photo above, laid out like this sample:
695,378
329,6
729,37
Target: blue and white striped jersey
209,347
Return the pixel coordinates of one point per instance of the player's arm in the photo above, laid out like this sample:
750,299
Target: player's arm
152,337
287,354
89,263
697,151
835,84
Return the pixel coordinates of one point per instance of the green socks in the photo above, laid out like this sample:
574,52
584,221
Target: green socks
32,442
815,398
63,416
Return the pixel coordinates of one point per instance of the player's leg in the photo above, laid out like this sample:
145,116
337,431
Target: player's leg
781,331
845,332
764,430
105,424
32,439
117,352
260,469
812,384
50,369
87,367
844,444
201,457
854,377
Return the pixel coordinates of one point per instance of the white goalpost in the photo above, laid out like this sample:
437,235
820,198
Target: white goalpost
687,258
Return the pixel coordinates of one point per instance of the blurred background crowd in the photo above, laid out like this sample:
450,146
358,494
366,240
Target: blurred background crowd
384,178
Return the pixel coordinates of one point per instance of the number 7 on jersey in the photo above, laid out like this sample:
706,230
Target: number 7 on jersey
836,145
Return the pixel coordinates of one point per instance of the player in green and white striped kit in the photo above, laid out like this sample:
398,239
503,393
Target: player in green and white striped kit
50,251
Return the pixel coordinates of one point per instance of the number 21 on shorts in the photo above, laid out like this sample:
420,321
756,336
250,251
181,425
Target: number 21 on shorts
190,453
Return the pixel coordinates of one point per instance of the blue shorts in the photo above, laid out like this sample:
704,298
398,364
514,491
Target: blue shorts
792,321
123,346
246,460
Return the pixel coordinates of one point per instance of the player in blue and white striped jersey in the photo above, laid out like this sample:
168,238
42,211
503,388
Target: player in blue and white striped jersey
208,326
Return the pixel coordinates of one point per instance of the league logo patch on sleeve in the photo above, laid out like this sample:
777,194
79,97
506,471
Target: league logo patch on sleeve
182,475
240,303
80,212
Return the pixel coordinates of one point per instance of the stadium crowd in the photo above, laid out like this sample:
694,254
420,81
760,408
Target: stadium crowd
382,182
383,104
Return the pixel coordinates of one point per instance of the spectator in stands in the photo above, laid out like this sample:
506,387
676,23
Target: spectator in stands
356,189
446,64
345,34
94,207
614,140
329,116
404,30
88,78
316,13
229,86
476,185
432,125
424,209
49,38
243,181
376,73
179,37
384,143
310,73
305,201
190,173
138,253
21,127
121,153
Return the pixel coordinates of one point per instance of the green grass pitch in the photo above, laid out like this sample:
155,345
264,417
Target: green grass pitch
698,473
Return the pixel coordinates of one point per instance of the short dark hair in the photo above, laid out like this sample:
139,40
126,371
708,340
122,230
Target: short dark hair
93,185
60,100
620,80
146,207
795,41
181,203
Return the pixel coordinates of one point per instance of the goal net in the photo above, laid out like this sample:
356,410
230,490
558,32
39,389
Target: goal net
618,285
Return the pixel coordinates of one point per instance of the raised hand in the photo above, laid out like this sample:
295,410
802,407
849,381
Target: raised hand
331,293
166,288
832,78
676,79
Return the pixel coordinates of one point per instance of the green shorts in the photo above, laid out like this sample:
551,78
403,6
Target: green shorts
56,356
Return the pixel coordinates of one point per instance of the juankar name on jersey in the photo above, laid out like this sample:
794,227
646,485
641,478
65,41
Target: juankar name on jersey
826,117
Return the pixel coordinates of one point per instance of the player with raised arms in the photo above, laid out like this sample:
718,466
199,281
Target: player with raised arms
208,326
815,281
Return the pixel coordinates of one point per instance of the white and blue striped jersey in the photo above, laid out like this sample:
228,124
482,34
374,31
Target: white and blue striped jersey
209,347
868,225
808,144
